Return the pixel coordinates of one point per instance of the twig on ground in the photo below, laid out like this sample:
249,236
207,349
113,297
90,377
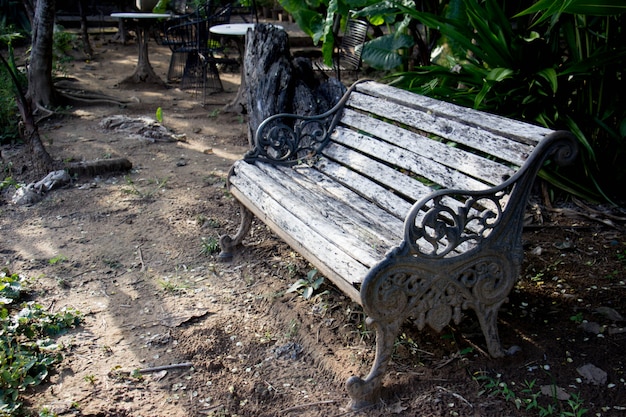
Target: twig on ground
347,413
143,265
299,406
165,367
455,395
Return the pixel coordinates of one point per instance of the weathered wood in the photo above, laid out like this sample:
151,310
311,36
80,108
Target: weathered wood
274,82
411,206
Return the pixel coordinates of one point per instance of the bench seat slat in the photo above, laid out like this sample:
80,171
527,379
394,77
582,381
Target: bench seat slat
369,229
343,185
513,129
336,265
336,226
352,176
379,195
486,170
458,131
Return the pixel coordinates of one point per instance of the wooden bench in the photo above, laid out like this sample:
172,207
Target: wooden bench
411,206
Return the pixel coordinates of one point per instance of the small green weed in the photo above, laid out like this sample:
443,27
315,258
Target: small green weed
307,286
90,379
173,286
210,245
577,318
292,329
144,194
530,397
8,182
57,260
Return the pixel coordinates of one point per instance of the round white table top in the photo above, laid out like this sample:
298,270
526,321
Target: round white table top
232,28
141,15
239,29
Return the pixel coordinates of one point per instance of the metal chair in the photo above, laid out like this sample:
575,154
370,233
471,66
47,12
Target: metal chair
173,39
347,58
199,47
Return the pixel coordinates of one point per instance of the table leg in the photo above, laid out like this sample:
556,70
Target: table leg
239,103
144,73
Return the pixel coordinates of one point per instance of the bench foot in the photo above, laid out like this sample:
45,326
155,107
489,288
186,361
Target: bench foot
488,319
228,243
365,392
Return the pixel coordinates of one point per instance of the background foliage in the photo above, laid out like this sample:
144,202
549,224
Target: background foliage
558,63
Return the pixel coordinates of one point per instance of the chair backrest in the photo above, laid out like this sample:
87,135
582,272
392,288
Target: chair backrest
351,47
195,35
220,17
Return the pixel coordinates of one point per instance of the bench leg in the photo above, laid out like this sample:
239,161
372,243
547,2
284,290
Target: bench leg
488,319
364,392
228,243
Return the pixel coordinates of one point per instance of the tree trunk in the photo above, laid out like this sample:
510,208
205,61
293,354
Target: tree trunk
277,83
41,92
84,28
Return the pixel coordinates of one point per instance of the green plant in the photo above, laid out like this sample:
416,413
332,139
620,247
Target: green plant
307,286
577,318
210,245
46,412
531,397
62,43
57,259
27,351
292,329
90,379
144,194
554,72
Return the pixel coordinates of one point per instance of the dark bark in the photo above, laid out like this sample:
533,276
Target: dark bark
277,83
41,92
42,162
84,28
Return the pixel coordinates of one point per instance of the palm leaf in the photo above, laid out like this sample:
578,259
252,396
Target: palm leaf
382,53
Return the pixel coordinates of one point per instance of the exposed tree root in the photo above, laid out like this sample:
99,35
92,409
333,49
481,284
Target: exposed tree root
98,167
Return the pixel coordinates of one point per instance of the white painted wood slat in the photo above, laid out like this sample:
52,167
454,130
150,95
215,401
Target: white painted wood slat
394,156
476,166
326,217
516,130
457,131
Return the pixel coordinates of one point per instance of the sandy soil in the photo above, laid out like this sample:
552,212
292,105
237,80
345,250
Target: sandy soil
132,260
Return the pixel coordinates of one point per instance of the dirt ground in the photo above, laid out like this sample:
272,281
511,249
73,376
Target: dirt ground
130,251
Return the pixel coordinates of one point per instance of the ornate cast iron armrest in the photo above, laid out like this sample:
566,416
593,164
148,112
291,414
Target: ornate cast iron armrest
461,220
286,139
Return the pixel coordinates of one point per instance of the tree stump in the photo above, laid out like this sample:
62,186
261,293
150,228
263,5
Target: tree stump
275,82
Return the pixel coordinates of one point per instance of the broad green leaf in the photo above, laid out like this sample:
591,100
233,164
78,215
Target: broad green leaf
549,74
308,292
296,286
552,8
499,74
382,53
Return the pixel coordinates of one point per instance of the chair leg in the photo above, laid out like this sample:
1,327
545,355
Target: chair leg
211,80
177,66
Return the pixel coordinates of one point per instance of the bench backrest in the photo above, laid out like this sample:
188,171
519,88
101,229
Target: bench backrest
388,138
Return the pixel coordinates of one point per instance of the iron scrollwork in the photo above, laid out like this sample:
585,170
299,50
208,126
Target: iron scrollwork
286,139
278,142
445,228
